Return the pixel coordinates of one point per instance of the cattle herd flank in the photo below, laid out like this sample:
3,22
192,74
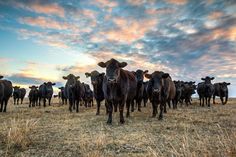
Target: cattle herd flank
119,88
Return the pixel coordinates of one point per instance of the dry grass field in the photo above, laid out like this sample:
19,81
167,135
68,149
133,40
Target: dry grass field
53,131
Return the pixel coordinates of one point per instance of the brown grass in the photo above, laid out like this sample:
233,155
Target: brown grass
53,131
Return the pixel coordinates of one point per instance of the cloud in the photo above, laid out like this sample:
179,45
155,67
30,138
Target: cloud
177,2
45,22
41,7
129,31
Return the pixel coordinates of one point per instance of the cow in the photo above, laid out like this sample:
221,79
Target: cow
179,92
161,90
33,96
205,90
88,95
5,93
221,90
145,94
97,82
18,94
46,92
62,95
188,91
73,91
140,88
119,87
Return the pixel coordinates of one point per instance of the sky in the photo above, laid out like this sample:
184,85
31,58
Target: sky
43,40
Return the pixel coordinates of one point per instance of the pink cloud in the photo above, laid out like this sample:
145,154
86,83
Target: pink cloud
38,7
130,30
45,23
177,2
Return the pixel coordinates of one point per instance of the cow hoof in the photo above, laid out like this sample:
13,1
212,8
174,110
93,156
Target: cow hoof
109,122
97,113
139,110
160,118
127,115
122,121
165,111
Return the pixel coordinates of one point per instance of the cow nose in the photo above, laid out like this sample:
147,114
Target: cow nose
111,80
155,90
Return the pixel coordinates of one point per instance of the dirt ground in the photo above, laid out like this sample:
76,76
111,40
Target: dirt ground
54,131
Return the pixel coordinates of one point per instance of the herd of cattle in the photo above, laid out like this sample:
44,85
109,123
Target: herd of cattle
119,88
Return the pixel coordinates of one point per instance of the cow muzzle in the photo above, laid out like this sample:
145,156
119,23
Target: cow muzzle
112,80
156,90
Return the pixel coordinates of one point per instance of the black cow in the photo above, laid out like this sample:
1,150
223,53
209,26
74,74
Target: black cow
62,95
88,95
161,89
18,94
221,90
46,92
179,92
145,93
140,88
97,80
119,87
188,90
5,93
33,96
205,90
73,91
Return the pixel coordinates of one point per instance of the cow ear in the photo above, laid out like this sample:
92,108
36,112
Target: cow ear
193,82
1,76
203,79
64,77
45,83
77,77
228,83
53,84
212,78
165,75
87,74
36,87
30,87
149,76
122,64
102,64
145,72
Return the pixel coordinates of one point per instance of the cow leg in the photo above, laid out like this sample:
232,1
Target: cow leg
162,104
144,102
139,105
128,107
222,100
21,100
70,104
110,110
5,105
77,106
1,106
132,106
154,109
44,102
39,101
214,99
209,101
98,107
226,98
106,105
165,111
115,106
203,98
121,109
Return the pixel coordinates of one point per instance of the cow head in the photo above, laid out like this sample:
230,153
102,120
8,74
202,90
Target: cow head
16,87
223,86
96,77
61,88
156,80
139,75
207,80
71,80
33,87
112,69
